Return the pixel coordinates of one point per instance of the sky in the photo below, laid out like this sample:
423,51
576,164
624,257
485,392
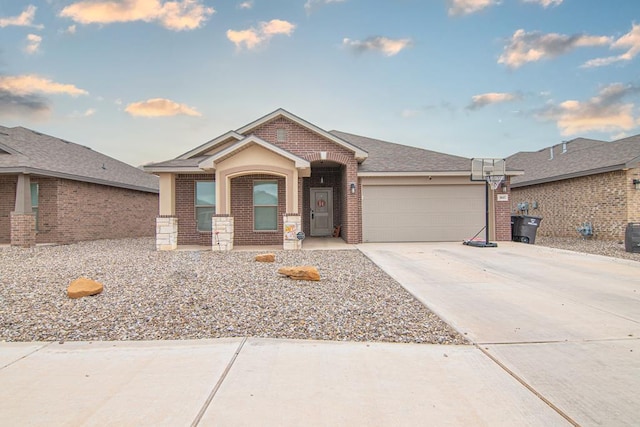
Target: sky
148,80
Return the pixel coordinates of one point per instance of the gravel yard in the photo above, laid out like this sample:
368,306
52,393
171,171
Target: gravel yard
589,246
150,295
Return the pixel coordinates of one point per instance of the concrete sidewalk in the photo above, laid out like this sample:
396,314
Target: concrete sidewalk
237,382
566,324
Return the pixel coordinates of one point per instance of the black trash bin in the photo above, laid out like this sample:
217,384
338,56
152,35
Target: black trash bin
632,237
525,228
515,223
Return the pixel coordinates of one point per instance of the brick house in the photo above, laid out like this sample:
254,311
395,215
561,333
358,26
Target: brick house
580,181
280,175
55,191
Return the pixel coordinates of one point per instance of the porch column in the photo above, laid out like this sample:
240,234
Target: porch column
23,220
222,233
292,226
167,222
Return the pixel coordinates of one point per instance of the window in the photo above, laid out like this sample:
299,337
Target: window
205,204
34,201
265,205
281,135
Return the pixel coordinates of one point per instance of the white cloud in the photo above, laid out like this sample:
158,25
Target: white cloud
87,113
173,15
387,46
253,37
466,7
33,43
545,3
535,46
630,41
606,112
31,83
160,107
246,5
480,101
312,4
25,19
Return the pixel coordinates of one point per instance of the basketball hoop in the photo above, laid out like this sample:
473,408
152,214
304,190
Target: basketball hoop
494,181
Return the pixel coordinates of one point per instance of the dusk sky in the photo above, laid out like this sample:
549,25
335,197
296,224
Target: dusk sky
147,80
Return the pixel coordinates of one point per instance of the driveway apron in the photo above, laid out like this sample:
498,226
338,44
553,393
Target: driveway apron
565,324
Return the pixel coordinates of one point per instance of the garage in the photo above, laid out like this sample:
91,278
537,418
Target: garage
422,213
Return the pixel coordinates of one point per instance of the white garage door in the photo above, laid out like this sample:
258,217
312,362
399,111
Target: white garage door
416,213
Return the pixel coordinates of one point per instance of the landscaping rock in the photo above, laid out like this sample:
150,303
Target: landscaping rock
304,272
266,257
83,287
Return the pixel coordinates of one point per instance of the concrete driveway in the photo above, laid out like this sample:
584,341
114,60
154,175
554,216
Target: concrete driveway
566,325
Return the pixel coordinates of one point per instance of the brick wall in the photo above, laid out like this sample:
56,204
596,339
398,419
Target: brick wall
503,215
600,199
242,211
7,205
633,196
188,233
308,145
71,211
91,211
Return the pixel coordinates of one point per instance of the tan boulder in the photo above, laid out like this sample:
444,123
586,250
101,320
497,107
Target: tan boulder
83,287
266,257
304,272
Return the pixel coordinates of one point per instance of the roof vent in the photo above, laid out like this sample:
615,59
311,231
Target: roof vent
281,135
564,147
550,153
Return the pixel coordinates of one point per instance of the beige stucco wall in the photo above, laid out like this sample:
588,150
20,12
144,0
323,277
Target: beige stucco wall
252,160
167,194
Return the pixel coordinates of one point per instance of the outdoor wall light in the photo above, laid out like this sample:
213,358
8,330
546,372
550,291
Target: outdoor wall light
352,187
636,183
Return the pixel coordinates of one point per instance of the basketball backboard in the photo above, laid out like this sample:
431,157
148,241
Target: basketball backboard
482,168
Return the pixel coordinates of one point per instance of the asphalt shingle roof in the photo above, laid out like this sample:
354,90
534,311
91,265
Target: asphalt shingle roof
33,152
582,157
391,157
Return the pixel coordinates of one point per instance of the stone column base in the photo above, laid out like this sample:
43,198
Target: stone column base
292,226
166,233
23,229
222,228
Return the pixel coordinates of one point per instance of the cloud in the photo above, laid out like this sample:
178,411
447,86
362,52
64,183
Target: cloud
466,7
310,5
31,84
33,43
25,19
606,112
88,113
630,41
253,37
531,47
173,15
389,47
22,95
246,5
71,29
480,101
160,107
545,3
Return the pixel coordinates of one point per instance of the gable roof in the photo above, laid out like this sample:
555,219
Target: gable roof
390,158
32,152
582,157
210,161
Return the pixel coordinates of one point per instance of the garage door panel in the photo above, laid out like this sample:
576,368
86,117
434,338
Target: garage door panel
422,213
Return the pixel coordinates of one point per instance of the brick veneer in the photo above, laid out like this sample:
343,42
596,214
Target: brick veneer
503,214
188,233
308,145
242,211
23,229
71,211
607,200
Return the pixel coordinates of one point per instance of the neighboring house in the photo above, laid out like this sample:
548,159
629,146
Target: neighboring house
54,191
280,175
580,181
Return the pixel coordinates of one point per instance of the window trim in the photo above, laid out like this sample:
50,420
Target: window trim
35,209
253,204
196,205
